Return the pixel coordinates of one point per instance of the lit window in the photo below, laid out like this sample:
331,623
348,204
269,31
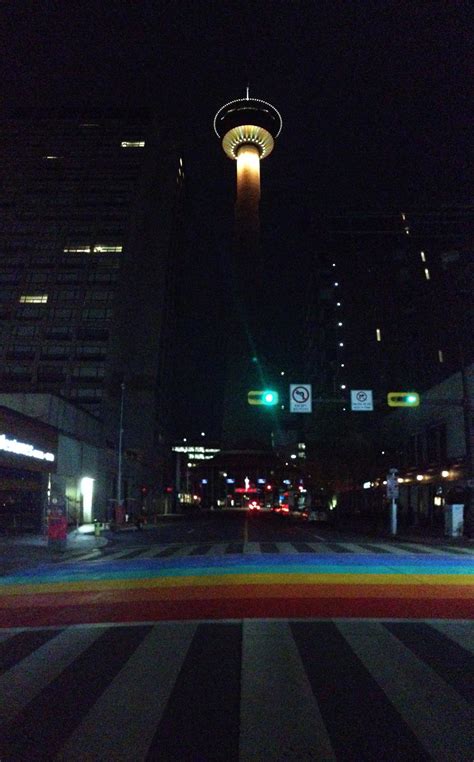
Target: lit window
133,144
34,299
339,324
440,355
427,274
343,365
338,304
403,217
336,284
51,158
103,248
341,343
77,249
407,230
378,334
423,256
343,386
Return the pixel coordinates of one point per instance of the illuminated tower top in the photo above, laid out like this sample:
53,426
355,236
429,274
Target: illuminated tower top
247,121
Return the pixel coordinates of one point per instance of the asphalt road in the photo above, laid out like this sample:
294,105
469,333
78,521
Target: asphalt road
234,637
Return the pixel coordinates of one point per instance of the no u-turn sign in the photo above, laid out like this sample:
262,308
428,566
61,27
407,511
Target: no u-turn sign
300,398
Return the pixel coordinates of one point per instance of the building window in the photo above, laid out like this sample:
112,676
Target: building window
88,371
96,314
423,256
132,144
427,274
55,352
81,249
378,334
107,248
34,299
440,355
17,372
25,330
63,314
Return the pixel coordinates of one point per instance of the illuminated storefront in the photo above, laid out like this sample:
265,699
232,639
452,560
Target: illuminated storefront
28,458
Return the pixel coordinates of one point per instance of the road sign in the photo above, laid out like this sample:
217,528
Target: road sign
362,399
393,489
403,399
300,398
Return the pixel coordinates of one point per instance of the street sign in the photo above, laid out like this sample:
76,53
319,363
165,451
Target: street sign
300,398
362,399
403,399
393,489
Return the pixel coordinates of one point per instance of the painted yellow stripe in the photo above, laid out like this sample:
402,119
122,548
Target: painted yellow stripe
240,579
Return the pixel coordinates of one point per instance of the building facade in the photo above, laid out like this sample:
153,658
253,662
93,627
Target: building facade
90,245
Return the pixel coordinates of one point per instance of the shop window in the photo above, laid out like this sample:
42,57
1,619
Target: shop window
33,299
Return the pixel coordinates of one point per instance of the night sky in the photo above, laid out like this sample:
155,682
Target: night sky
375,98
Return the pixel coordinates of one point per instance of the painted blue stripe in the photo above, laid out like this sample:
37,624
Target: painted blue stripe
156,569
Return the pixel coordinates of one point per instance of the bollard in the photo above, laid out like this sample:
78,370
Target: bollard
97,528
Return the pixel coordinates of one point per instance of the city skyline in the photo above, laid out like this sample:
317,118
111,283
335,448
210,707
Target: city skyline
375,119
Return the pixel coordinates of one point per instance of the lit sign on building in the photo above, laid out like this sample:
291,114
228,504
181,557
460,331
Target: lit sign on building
22,448
197,453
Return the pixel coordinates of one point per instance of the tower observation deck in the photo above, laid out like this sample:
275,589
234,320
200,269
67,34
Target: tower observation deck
248,128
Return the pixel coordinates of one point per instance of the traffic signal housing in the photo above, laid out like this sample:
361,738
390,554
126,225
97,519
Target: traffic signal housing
403,399
267,397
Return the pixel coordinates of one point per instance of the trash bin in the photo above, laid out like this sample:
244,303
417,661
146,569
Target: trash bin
454,520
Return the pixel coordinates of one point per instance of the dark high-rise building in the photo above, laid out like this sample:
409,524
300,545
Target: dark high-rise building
390,303
89,240
389,309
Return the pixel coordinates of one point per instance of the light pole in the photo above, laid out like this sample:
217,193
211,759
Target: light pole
119,475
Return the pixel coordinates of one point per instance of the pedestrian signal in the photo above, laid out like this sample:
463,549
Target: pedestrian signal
403,399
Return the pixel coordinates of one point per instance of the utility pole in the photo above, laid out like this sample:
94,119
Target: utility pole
120,447
468,436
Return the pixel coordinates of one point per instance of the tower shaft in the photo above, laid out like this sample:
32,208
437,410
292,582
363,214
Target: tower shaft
248,190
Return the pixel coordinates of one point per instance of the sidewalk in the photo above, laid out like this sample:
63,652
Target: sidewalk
18,550
423,535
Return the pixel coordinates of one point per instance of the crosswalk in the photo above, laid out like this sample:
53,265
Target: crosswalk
251,548
246,690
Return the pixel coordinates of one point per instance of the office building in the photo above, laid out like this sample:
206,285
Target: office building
90,245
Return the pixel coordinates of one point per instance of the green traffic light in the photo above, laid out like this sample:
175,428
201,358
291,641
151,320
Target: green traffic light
270,397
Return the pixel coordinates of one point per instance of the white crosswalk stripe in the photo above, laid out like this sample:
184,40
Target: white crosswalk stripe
440,718
280,713
248,548
139,692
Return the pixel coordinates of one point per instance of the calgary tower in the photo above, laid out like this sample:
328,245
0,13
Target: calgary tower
248,128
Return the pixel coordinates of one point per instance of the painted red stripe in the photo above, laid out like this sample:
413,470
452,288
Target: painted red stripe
284,608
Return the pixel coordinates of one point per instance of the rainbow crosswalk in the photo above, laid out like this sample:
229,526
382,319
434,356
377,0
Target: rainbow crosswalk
239,587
